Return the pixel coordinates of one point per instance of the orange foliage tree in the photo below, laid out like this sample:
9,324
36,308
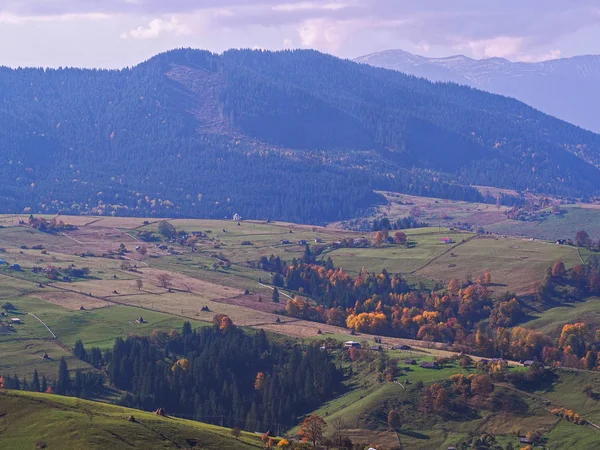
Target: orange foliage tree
311,430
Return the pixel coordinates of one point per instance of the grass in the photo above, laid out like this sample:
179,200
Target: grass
554,227
64,422
95,328
551,321
22,357
396,258
515,264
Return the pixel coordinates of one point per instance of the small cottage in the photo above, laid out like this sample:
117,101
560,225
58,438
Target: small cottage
351,344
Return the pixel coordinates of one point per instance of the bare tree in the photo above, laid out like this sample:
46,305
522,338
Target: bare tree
339,425
139,283
164,281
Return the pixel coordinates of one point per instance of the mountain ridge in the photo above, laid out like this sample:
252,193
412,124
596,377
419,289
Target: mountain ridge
293,135
564,87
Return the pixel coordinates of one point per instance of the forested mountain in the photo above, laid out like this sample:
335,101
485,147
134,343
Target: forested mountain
567,88
294,135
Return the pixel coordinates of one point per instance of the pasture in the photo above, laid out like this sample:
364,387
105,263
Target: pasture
31,418
550,322
515,264
565,226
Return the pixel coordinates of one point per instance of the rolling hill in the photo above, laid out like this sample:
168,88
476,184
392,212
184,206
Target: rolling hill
32,420
565,88
295,135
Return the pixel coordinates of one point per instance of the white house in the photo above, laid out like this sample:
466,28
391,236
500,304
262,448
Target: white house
15,320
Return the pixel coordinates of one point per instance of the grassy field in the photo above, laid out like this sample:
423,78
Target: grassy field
22,357
396,258
554,227
515,264
550,322
63,422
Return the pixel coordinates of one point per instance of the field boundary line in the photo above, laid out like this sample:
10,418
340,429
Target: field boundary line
272,288
458,244
72,238
42,322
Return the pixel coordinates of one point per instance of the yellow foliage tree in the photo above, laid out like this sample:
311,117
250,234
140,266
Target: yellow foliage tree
183,364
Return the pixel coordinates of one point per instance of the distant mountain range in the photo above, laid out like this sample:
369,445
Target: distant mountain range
295,135
567,88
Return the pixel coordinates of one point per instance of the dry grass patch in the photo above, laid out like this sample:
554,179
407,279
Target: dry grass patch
72,300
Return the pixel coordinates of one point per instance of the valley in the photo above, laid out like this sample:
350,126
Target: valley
139,280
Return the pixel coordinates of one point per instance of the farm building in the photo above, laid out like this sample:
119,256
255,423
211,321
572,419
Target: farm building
237,217
302,242
351,344
318,240
284,242
2,262
377,348
402,347
528,363
428,365
410,362
446,240
15,320
16,267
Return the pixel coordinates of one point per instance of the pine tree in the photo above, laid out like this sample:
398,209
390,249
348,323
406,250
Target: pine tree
44,384
63,384
187,329
79,351
275,297
35,383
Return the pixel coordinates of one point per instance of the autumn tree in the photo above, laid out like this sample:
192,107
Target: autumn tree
393,419
259,381
558,269
400,238
142,249
381,237
573,337
582,239
226,323
454,286
283,443
235,432
487,278
311,430
182,364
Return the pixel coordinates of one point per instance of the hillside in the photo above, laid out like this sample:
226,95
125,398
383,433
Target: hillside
565,88
31,419
300,136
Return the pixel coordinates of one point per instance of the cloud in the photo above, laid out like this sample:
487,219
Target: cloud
501,47
9,18
509,28
158,27
320,33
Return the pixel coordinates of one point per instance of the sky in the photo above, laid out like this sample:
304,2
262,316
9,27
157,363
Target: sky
120,33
